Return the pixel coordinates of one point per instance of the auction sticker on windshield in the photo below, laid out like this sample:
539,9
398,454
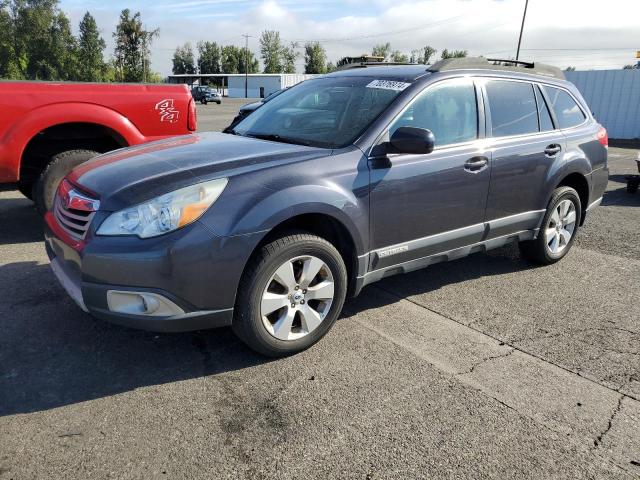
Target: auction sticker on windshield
388,85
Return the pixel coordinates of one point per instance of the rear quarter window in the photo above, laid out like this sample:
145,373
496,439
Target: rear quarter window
513,108
566,109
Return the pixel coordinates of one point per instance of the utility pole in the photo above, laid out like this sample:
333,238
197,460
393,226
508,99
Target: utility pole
526,4
246,65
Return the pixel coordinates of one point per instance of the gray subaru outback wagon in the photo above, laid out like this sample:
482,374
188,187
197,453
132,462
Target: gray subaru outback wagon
336,183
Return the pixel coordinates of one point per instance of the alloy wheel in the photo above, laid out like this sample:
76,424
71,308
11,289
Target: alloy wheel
561,226
297,298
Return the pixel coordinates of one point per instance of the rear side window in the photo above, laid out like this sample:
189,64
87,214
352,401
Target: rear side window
449,109
567,111
544,116
513,108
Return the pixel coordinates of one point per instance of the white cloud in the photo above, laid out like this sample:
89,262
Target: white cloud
596,32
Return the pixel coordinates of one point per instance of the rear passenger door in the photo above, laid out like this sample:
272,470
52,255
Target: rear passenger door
526,150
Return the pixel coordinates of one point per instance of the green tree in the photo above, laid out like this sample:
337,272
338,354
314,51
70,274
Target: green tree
234,60
208,57
271,51
91,65
231,59
423,55
315,58
63,50
36,41
331,67
8,61
183,60
398,57
289,57
453,54
382,50
132,48
248,58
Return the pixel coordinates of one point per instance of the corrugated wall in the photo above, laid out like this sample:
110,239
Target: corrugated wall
614,98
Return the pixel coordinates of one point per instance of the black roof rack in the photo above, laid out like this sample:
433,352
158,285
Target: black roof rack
470,63
372,64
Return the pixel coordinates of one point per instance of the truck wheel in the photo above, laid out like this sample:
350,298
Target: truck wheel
558,230
203,102
60,165
290,295
632,184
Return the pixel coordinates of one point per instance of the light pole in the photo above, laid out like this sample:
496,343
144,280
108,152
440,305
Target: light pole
524,15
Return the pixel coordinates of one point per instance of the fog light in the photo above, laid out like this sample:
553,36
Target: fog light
141,303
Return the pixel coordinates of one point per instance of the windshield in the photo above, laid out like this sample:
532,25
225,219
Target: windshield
330,112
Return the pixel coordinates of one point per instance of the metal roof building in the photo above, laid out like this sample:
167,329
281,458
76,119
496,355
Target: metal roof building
614,97
259,85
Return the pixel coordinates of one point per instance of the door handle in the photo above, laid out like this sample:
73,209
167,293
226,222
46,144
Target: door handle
476,164
552,150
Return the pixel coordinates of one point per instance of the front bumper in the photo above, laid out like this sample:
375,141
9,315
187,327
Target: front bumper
192,269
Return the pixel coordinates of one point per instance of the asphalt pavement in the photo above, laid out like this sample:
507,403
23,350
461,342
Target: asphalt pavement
485,367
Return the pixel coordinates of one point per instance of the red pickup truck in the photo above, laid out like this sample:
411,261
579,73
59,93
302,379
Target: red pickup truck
46,128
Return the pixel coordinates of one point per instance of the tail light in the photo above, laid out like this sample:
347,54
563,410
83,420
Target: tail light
192,119
603,137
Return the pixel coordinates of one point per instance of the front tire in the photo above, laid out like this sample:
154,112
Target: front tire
60,165
290,295
558,230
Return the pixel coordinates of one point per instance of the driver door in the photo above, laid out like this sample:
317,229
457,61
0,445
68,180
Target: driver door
429,203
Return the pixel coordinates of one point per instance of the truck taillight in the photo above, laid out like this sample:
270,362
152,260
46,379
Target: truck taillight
603,137
192,119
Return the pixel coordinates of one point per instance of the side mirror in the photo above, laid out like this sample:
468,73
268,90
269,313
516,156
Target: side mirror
412,140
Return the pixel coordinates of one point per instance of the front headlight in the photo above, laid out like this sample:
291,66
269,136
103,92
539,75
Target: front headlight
165,213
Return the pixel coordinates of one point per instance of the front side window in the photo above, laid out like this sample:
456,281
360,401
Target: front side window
329,112
513,108
567,111
448,109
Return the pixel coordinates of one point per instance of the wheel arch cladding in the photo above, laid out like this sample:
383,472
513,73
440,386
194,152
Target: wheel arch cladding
580,184
324,226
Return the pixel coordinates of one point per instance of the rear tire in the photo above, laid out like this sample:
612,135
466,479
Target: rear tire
558,229
298,252
61,164
632,184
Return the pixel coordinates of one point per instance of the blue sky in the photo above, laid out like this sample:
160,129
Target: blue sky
594,35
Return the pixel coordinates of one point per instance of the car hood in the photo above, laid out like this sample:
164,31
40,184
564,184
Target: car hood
250,107
129,176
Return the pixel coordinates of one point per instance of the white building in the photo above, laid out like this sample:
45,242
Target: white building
258,85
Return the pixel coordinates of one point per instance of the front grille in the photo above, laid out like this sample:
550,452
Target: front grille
74,211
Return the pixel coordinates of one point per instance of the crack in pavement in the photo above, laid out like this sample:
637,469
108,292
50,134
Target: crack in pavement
485,360
465,378
508,344
598,440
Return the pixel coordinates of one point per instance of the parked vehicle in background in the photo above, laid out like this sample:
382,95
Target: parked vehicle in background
46,129
205,95
253,106
633,181
339,182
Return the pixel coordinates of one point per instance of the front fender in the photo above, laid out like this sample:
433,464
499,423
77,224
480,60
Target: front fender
16,138
264,209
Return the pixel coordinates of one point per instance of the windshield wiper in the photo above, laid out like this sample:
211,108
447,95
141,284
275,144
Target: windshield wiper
278,138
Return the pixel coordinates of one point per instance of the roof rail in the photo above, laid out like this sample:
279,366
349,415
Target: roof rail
471,63
348,66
